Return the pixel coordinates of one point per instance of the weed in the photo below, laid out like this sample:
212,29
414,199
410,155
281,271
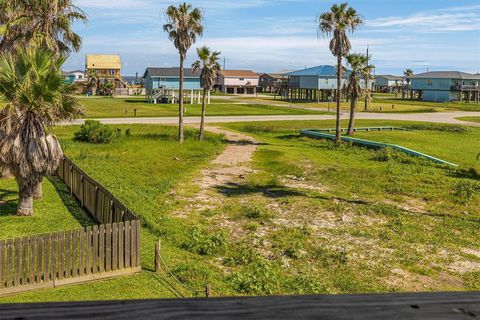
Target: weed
258,278
464,191
204,243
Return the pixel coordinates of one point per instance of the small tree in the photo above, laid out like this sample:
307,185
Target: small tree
408,73
209,66
360,69
184,26
31,81
337,22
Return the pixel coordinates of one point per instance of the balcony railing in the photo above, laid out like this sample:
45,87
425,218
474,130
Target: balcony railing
465,88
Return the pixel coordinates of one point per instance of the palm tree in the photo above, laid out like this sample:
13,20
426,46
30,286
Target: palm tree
47,23
360,69
208,63
408,73
31,80
336,23
93,82
184,25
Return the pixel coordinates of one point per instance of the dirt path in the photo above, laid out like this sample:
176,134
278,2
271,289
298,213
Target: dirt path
228,168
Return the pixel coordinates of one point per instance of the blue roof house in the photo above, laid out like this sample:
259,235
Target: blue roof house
168,78
446,86
317,78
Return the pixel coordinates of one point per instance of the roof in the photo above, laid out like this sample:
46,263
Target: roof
319,71
72,72
239,73
274,75
446,75
103,61
170,72
390,77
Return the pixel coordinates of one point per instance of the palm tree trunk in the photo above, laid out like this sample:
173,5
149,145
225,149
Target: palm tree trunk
7,127
25,201
180,103
339,96
204,112
38,191
351,123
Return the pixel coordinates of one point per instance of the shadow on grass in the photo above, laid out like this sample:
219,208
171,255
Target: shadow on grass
9,207
273,191
471,173
71,203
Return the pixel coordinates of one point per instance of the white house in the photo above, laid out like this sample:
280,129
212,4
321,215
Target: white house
388,83
237,81
74,76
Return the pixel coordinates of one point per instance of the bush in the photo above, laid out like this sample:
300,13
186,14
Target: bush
465,191
258,278
256,212
95,132
204,243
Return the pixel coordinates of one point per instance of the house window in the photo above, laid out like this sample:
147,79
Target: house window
430,83
241,79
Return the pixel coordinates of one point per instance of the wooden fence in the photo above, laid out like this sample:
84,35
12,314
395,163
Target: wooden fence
93,197
108,250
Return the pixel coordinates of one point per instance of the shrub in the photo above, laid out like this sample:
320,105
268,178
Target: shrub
95,132
437,127
258,278
256,212
294,251
204,243
465,190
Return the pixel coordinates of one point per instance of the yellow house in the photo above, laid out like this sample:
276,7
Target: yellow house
106,66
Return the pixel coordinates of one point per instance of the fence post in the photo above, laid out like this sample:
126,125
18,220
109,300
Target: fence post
208,291
157,255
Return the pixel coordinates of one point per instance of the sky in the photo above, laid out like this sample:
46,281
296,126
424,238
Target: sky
281,35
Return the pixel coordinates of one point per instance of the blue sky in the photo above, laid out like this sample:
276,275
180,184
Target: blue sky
279,35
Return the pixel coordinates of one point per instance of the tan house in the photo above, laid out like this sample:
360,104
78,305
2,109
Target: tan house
237,81
105,66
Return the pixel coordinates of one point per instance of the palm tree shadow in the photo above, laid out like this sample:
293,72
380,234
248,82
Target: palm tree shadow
71,203
232,189
9,207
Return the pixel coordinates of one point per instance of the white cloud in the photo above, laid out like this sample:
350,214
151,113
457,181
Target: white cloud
110,4
454,19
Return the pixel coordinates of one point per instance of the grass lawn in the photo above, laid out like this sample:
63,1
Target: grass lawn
57,211
312,218
101,107
470,119
384,103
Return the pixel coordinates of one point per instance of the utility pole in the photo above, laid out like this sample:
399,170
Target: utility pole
224,63
366,80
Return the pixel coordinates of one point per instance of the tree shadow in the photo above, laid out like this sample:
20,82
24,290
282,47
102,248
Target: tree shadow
470,173
71,203
9,207
232,189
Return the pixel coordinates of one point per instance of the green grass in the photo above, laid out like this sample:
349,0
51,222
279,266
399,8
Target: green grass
470,119
312,218
142,170
57,211
456,106
100,107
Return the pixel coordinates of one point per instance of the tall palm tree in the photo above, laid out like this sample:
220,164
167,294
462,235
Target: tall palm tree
31,80
208,63
47,23
184,25
360,70
336,23
408,73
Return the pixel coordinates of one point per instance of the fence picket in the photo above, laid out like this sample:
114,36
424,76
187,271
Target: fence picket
2,264
33,247
121,245
95,249
88,253
9,263
101,248
114,246
127,244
